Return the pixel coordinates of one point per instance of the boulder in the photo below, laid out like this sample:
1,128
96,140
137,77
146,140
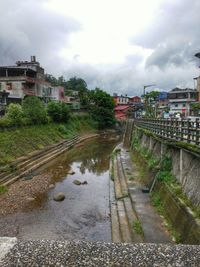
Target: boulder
30,199
59,196
71,172
77,182
84,182
51,186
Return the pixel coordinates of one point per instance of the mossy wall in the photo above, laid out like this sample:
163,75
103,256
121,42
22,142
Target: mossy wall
179,215
185,164
181,204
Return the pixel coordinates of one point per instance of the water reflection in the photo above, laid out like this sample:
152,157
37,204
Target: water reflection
91,156
84,214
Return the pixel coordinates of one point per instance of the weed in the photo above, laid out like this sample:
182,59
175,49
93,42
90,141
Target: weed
3,189
138,227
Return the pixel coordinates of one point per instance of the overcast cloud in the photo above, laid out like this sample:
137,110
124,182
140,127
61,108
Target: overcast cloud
119,46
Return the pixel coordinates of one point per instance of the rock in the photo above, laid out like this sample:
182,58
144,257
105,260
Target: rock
51,186
60,167
30,199
71,172
77,182
59,197
84,182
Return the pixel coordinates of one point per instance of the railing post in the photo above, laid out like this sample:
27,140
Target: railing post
182,129
188,130
197,141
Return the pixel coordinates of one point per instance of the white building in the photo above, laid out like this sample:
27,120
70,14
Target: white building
181,99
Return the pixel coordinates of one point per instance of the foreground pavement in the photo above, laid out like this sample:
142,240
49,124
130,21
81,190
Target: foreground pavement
98,254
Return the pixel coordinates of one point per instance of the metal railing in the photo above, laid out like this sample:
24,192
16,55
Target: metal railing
185,130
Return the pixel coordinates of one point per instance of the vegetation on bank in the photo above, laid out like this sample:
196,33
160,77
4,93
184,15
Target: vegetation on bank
17,142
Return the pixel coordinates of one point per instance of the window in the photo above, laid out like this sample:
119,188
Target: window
9,86
184,105
175,105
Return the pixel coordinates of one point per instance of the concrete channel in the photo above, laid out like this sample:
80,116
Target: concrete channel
95,224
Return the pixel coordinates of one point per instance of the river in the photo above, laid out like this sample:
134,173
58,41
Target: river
85,212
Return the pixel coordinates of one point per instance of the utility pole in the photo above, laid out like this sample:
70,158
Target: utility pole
145,86
145,102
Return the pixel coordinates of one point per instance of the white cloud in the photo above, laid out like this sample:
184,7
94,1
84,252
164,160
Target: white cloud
119,45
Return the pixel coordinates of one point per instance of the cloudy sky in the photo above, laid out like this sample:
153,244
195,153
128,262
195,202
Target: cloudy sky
117,45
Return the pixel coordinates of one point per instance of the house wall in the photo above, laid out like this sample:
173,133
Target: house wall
16,89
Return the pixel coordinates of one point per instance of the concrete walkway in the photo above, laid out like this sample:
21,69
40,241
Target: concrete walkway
132,209
98,254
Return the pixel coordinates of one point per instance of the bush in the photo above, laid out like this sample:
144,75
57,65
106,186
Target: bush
5,122
65,112
14,114
54,111
103,116
58,112
34,110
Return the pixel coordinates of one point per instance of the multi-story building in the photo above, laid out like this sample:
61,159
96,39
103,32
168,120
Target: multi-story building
162,101
134,99
180,100
121,100
26,79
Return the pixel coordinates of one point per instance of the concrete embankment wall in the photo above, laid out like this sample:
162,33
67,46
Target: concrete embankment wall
186,169
185,164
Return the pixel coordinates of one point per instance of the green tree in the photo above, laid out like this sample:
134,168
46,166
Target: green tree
58,112
150,103
101,108
15,114
34,110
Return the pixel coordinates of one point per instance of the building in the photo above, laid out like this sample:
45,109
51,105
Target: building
162,102
26,78
58,94
180,100
134,99
121,100
121,112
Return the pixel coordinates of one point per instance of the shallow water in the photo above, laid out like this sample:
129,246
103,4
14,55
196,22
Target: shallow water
85,212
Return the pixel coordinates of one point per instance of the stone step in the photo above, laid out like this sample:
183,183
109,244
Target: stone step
43,160
44,152
31,163
55,151
121,176
115,225
34,167
123,222
131,215
118,191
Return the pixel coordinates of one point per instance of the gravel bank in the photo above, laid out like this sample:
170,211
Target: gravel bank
24,195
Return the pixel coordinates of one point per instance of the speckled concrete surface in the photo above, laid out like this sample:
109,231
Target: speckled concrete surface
99,254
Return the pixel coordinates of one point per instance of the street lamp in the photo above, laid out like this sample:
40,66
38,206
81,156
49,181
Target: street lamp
145,86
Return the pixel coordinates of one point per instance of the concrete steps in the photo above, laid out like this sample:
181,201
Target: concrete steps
137,219
36,159
128,132
122,211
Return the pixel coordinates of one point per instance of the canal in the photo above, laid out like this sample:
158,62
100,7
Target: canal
84,213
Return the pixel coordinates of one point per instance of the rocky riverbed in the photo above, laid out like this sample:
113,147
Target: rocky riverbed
25,195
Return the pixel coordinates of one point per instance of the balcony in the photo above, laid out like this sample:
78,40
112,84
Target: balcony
29,91
18,78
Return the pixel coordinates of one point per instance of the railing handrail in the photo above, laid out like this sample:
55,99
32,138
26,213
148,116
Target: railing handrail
185,130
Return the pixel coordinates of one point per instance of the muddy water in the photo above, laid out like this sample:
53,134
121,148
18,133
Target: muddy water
85,213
